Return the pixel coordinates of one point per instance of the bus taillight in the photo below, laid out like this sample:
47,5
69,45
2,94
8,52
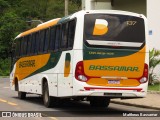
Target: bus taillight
144,78
79,72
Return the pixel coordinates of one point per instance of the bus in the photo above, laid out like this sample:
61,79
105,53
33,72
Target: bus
93,55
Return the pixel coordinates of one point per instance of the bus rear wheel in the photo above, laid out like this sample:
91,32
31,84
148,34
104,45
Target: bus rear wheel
21,95
49,101
99,102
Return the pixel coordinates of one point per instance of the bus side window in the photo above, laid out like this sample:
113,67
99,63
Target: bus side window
18,47
64,39
33,43
29,44
24,47
57,37
71,33
41,46
37,42
52,38
46,40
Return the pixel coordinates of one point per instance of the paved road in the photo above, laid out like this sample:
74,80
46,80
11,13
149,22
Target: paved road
69,111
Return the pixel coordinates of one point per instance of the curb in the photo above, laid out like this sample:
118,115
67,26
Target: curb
135,105
153,92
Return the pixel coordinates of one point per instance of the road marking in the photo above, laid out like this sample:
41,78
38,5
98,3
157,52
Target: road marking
53,118
3,100
6,87
11,103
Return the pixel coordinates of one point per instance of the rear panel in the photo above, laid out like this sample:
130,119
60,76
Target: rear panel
114,49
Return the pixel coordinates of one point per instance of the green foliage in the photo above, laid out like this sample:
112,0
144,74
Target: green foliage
4,67
155,87
154,60
3,5
14,15
10,26
77,2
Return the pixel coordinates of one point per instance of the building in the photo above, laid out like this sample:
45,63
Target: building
138,6
149,8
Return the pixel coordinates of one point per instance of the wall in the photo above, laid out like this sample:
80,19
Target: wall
153,17
138,6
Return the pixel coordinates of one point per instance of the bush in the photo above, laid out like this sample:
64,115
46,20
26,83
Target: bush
4,67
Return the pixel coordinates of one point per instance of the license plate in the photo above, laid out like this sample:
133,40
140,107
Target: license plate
113,81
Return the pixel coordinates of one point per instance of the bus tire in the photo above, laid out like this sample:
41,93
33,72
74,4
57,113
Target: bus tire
21,95
47,100
99,102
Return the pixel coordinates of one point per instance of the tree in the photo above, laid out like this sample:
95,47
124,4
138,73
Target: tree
77,2
3,5
154,60
10,26
15,13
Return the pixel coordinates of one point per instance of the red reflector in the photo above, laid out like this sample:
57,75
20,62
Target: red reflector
96,88
79,72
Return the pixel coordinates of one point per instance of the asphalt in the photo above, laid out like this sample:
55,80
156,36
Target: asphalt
152,101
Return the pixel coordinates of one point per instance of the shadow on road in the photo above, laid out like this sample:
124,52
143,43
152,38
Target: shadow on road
72,108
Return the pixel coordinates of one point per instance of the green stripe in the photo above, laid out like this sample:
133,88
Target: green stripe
90,53
52,62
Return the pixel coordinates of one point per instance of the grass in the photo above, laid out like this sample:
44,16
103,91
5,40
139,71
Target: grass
155,87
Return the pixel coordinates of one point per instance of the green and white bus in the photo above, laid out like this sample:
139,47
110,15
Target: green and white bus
93,55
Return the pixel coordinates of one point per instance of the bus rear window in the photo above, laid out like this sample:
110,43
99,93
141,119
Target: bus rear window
112,30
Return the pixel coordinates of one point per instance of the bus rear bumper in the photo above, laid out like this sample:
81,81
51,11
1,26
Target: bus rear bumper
113,93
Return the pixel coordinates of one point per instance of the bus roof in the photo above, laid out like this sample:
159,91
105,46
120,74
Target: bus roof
59,20
40,27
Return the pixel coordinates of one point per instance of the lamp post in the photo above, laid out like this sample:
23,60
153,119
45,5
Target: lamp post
66,8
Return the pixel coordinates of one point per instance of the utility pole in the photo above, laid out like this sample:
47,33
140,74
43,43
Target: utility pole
66,7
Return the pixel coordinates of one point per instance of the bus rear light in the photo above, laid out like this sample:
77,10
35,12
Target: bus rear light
79,72
144,78
82,78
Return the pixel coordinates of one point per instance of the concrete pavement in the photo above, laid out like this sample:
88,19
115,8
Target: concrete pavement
152,100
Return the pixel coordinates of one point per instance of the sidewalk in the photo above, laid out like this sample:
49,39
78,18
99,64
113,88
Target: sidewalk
152,101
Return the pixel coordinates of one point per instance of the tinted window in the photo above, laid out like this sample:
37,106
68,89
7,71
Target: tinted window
18,47
64,36
33,43
37,42
46,40
29,44
52,38
25,47
57,37
42,35
114,30
71,33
